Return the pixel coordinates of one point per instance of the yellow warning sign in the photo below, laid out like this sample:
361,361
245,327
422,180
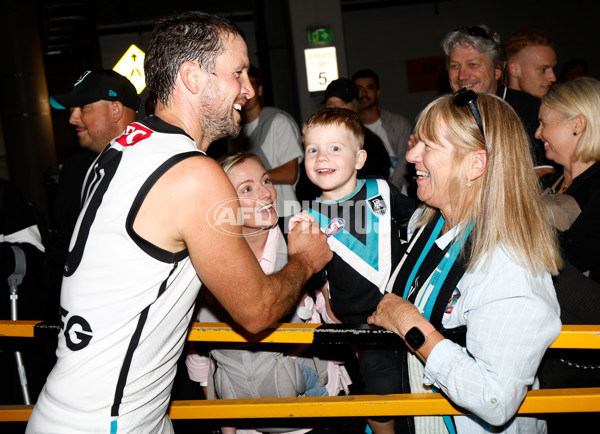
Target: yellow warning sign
131,65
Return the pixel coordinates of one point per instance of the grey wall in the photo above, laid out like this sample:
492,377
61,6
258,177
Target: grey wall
383,39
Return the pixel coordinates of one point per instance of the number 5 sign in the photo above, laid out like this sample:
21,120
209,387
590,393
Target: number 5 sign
321,67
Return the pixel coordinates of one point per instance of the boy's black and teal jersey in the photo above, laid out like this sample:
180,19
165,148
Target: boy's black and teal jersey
364,232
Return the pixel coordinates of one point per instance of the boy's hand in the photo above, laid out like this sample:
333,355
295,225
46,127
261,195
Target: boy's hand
301,217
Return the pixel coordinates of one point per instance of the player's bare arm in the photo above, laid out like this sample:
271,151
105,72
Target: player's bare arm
181,205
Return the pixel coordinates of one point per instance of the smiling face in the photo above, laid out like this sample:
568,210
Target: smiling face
332,157
256,194
556,132
227,90
532,70
473,69
433,163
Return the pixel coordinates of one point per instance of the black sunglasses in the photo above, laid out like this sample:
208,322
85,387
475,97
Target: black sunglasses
463,97
477,31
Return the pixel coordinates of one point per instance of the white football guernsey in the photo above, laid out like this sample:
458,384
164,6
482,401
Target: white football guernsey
125,303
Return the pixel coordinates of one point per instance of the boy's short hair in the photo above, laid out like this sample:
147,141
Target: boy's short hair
338,117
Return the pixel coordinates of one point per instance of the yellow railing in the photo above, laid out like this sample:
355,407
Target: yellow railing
571,336
536,401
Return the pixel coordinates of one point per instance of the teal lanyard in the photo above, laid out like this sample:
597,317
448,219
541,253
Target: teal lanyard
436,231
441,271
437,280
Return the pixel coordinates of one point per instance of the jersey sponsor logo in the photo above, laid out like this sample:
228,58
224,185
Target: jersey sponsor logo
335,226
78,332
377,205
133,134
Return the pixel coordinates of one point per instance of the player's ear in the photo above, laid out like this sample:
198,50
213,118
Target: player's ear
189,73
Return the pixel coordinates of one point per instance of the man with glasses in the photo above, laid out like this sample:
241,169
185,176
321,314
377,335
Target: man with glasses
476,61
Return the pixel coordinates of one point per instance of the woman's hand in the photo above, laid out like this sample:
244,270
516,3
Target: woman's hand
396,314
399,316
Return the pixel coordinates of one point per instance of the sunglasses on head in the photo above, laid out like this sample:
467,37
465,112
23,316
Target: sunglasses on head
467,97
477,31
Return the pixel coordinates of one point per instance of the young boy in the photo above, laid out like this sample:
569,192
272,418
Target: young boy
362,219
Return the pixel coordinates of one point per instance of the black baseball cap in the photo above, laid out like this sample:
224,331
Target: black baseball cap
343,88
95,85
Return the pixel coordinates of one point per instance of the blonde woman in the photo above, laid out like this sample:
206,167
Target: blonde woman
479,307
271,371
570,129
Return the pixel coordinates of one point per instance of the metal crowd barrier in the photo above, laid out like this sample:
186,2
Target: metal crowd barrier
536,401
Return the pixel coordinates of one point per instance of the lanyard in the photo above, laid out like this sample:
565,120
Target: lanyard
441,271
435,283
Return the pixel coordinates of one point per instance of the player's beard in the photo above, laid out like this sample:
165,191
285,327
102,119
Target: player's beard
219,125
218,119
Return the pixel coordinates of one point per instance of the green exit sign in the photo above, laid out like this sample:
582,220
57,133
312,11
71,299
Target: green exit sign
317,36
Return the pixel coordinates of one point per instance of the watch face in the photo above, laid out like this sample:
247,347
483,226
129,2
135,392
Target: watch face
414,338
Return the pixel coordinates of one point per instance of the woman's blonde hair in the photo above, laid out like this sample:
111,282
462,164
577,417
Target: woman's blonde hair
504,204
580,96
231,161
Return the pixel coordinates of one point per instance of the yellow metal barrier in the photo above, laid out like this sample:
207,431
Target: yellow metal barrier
536,401
571,336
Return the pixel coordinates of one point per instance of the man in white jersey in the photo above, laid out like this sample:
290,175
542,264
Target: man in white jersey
392,128
155,223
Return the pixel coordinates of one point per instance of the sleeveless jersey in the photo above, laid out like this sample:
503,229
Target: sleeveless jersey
126,304
363,231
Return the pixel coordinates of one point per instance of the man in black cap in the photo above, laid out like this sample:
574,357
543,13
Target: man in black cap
102,104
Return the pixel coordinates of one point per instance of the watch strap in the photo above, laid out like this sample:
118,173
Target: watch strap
426,329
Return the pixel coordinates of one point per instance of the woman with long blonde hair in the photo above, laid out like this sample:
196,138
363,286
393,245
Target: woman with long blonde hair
473,296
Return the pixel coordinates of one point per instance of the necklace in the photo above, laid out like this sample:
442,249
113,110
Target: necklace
564,187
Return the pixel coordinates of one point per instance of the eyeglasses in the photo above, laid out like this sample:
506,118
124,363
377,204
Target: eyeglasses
477,31
463,97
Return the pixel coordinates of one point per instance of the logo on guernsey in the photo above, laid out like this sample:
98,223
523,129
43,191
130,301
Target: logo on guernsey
133,134
377,205
334,227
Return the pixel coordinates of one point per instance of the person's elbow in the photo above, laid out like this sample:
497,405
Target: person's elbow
256,318
501,409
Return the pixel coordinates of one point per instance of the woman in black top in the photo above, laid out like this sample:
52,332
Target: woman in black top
570,129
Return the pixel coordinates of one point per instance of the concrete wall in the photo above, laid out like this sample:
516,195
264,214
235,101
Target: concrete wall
384,38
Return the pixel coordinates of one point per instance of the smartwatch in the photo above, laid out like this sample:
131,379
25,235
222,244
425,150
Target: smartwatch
416,336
